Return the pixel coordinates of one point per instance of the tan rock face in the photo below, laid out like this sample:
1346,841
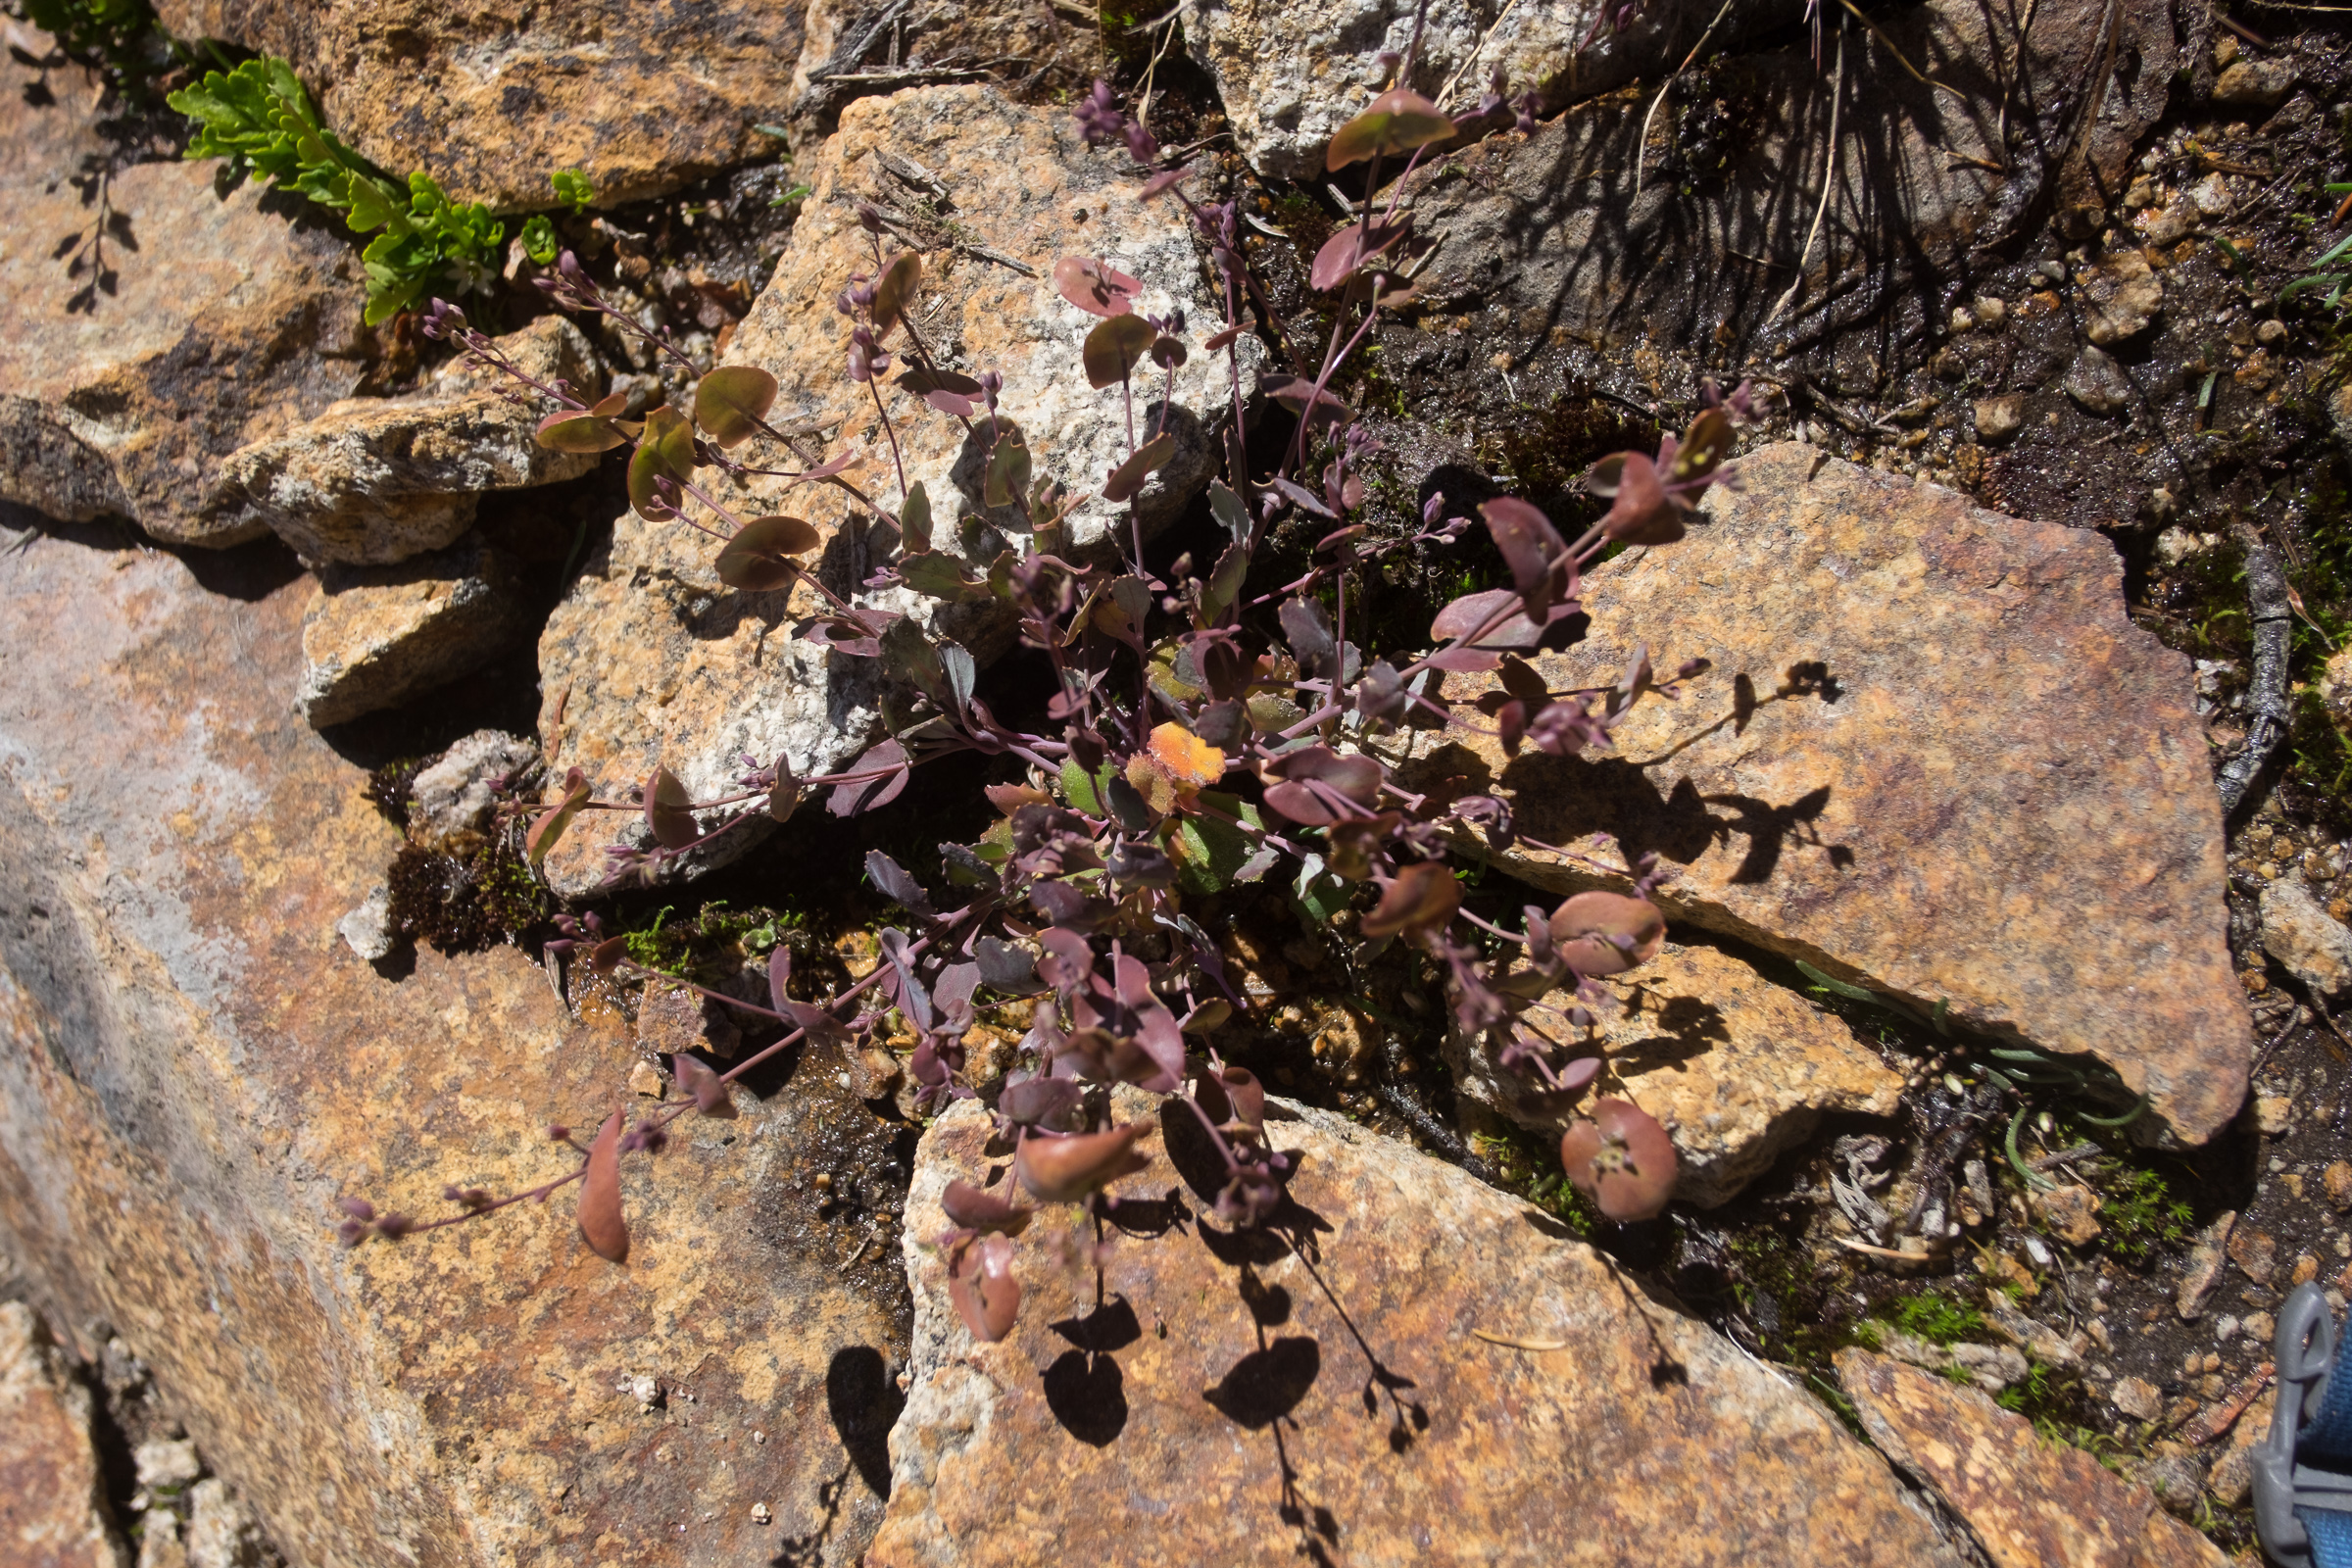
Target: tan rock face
649,660
1737,1068
375,636
204,324
53,1512
1316,1387
1987,787
193,1066
2026,1502
376,480
490,96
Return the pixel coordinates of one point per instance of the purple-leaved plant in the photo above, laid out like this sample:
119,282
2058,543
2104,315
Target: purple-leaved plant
1187,748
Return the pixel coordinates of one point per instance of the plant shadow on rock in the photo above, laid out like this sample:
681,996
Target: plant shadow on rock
1083,1387
865,1402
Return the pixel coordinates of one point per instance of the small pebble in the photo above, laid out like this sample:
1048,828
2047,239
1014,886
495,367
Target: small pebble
2258,1327
2139,1398
2337,1179
760,1513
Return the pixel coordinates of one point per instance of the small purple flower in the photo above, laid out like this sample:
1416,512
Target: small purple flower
1098,117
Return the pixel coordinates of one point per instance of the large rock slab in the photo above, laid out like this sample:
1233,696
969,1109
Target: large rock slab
1316,1388
649,660
376,480
193,1066
490,97
196,324
53,1512
1289,75
2027,1502
1684,233
1737,1068
1986,786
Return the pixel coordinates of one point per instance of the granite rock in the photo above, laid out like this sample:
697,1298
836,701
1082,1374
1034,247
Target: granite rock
2254,83
1998,419
173,325
378,480
490,96
1933,756
450,801
193,1066
649,660
2298,931
372,637
53,1512
1317,1386
1292,74
2027,1502
2121,295
1737,1069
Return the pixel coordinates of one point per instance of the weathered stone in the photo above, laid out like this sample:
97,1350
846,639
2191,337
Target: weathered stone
2254,83
2097,382
372,637
1990,1367
2028,1503
2203,1270
672,1019
1587,232
850,50
2000,419
378,480
649,660
195,1066
53,1512
2137,1398
2298,931
1324,1372
367,926
2071,1212
451,801
1982,785
2337,1181
2256,1252
489,98
1737,1068
179,326
2121,295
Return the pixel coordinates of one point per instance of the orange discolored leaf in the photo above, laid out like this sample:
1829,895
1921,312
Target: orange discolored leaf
1185,757
601,1222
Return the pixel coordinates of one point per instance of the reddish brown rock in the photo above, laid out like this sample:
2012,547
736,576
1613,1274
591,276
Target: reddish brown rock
1737,1068
53,1512
649,660
1317,1387
196,322
193,1066
490,96
2030,1503
1982,785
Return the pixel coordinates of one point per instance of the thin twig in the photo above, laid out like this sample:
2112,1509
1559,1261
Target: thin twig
1829,181
2267,702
